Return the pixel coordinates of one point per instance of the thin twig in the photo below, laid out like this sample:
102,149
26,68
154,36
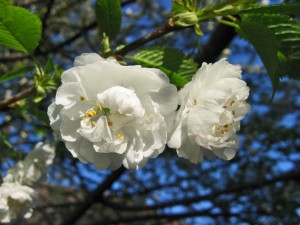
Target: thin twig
24,94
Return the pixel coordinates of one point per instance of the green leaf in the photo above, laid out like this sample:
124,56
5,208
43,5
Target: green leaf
20,29
39,94
49,66
276,38
109,17
222,8
290,8
5,3
180,6
17,72
173,62
185,19
266,45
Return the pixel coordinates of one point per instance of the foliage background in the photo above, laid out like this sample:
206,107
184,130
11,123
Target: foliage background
259,186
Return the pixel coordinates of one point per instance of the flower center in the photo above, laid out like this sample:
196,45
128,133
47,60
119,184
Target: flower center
92,115
230,106
222,130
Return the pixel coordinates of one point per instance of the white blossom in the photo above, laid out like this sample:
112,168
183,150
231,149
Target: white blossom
33,168
15,201
212,106
109,114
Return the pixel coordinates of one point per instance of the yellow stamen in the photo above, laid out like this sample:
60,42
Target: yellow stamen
91,113
94,124
110,123
82,98
120,136
100,107
232,102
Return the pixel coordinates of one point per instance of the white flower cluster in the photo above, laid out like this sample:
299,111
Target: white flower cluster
212,106
108,114
16,194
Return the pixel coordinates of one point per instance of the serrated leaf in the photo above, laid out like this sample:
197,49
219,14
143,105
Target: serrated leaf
171,61
17,72
266,45
109,17
277,40
20,29
290,8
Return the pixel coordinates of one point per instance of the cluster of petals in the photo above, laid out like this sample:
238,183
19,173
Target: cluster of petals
15,201
16,194
108,114
212,106
33,168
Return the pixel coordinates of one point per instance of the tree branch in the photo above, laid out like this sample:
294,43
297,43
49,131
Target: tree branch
165,29
165,217
46,16
219,40
187,201
24,94
93,196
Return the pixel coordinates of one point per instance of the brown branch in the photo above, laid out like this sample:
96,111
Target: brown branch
24,94
165,217
187,201
220,38
165,29
46,16
93,196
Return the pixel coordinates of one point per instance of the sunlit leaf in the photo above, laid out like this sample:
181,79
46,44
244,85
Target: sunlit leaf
20,29
276,38
173,62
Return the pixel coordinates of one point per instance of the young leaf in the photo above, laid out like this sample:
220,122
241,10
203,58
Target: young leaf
49,66
20,29
17,72
171,61
109,17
